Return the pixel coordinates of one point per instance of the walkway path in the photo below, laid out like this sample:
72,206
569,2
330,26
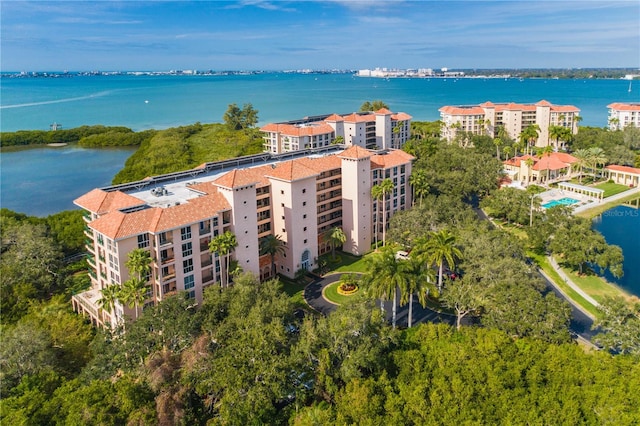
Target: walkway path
607,200
315,299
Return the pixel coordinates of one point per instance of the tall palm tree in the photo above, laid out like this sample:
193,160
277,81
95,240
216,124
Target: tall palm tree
555,133
439,248
384,278
420,185
582,155
109,296
497,142
139,263
272,245
133,293
336,237
507,151
419,279
380,192
596,158
529,162
223,245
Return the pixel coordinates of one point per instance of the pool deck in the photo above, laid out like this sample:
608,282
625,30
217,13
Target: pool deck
583,201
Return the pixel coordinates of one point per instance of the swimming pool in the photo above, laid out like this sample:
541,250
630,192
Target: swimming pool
566,201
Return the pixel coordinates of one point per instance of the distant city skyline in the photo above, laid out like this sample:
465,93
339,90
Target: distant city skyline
320,35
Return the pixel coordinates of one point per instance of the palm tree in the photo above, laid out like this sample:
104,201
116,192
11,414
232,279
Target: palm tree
272,245
380,192
419,280
529,136
440,248
139,263
582,155
109,296
507,151
596,157
555,133
133,293
384,277
223,245
529,162
336,237
497,142
419,183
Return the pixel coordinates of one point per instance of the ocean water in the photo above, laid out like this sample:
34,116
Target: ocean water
143,102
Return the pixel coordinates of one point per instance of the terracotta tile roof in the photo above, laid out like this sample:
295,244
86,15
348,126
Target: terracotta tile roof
316,128
355,152
334,117
359,118
515,161
564,108
621,106
515,107
511,106
549,162
626,169
564,157
401,116
100,202
238,177
392,158
322,164
291,171
452,110
117,225
383,111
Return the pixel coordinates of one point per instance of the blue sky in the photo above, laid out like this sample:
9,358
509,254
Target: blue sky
328,34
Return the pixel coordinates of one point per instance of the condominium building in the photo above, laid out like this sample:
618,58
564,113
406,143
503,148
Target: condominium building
380,129
487,118
623,114
297,197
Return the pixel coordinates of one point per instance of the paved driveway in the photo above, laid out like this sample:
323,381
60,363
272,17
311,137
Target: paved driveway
313,296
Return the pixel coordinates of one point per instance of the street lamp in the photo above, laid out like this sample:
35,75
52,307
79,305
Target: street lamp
531,210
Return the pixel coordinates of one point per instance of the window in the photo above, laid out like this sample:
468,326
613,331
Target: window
282,192
304,203
189,282
304,190
187,265
187,249
143,240
185,233
304,216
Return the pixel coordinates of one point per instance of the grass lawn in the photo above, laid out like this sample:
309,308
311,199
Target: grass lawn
331,294
594,285
600,208
543,264
295,290
345,262
611,188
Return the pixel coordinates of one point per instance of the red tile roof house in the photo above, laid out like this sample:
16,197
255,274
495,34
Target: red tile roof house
552,167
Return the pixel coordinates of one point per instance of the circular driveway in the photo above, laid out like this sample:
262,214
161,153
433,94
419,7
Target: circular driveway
315,299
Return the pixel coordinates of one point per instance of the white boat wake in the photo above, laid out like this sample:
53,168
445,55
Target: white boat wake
58,101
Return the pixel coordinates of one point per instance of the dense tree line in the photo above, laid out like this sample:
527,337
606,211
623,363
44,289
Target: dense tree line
41,137
185,147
